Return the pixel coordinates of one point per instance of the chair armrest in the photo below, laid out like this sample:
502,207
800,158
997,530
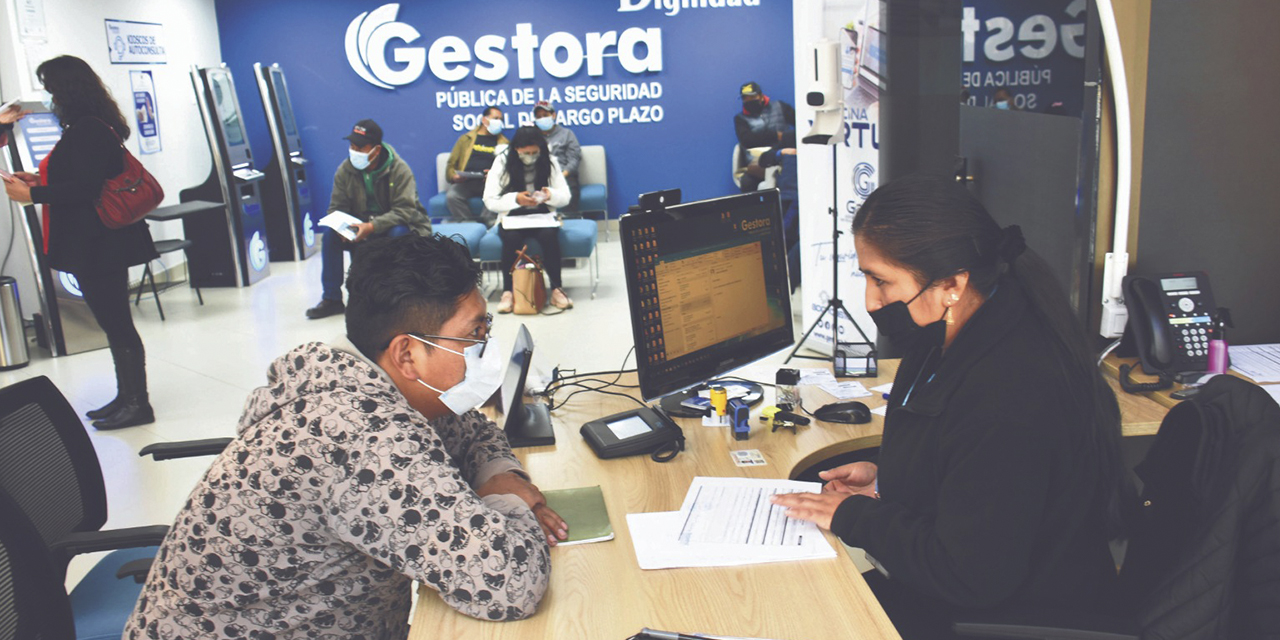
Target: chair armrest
92,541
185,449
1046,625
136,569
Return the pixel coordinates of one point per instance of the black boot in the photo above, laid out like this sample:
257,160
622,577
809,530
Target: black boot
135,406
119,358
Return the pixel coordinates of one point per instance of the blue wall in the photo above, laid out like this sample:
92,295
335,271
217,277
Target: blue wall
707,52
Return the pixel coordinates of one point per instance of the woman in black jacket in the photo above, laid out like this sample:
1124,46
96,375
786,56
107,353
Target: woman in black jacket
999,478
76,241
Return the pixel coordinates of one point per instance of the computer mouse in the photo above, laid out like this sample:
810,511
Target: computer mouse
844,412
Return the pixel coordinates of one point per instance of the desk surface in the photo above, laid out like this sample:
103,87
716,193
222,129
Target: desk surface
598,591
176,211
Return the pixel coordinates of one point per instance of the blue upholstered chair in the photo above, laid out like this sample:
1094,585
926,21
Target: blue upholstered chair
577,243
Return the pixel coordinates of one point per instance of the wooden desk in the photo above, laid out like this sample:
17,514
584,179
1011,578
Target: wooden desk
598,591
1111,366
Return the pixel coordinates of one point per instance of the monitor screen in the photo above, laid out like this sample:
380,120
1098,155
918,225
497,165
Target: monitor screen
707,283
286,107
517,372
224,104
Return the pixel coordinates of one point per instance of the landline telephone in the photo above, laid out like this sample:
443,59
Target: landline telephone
1171,318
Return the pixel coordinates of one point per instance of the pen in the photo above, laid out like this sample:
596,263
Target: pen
646,632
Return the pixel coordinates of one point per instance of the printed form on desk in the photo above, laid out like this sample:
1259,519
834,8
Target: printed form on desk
727,522
1261,362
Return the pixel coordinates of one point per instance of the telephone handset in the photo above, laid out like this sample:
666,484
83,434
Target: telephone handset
1171,317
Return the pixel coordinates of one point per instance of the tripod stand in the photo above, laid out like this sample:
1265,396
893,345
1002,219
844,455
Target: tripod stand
835,305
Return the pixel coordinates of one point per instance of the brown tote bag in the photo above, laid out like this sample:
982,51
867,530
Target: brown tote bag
528,285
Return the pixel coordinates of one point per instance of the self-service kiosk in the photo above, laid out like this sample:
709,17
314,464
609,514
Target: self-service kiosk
291,218
64,324
229,246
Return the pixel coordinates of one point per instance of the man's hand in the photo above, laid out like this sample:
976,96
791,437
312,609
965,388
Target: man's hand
455,178
818,508
550,521
787,152
363,230
755,170
524,199
856,478
31,179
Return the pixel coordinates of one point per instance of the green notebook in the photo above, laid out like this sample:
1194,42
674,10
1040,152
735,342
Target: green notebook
583,509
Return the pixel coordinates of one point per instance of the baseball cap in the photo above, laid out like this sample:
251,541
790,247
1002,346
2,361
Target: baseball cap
545,104
751,89
365,133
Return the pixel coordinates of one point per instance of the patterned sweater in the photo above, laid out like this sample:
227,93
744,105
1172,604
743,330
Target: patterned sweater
335,494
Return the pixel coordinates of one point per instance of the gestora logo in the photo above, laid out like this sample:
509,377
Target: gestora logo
672,7
371,34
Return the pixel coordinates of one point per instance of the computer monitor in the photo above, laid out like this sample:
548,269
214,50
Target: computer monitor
707,284
526,425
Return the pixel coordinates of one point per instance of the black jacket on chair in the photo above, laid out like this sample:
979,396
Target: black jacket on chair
88,155
989,489
1205,553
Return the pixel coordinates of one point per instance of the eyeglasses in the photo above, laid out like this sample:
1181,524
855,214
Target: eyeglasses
483,342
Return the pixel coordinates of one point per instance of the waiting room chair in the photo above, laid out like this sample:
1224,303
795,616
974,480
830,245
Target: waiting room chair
1203,559
577,242
34,603
593,183
163,247
49,469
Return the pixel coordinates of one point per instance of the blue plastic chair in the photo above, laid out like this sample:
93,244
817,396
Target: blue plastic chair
577,243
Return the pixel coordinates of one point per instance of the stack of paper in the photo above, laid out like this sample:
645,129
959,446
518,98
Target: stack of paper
1261,362
727,522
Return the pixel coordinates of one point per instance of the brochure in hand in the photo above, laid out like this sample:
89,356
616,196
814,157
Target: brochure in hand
342,222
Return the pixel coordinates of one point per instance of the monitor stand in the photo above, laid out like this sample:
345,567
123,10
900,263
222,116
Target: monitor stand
671,403
532,428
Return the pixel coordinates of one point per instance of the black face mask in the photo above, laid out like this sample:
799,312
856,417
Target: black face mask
754,107
894,321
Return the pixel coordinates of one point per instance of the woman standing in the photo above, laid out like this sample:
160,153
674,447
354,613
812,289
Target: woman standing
76,241
999,479
525,187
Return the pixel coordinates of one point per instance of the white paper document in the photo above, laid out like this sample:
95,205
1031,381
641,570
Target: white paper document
1274,390
727,522
884,388
816,375
342,222
530,221
882,410
845,390
1261,362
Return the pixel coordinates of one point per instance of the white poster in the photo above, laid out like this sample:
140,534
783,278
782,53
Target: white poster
856,26
144,111
131,42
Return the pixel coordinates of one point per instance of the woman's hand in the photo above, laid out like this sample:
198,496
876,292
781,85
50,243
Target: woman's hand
17,190
856,478
818,508
31,179
12,114
525,199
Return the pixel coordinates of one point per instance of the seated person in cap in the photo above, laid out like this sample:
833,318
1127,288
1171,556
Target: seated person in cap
763,122
564,147
360,467
469,161
376,186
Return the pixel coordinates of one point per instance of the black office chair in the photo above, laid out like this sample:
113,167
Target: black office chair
34,604
1203,560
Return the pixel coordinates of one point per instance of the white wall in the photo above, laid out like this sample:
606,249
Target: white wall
76,27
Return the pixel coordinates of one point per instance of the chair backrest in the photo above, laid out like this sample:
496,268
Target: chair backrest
33,602
442,164
593,169
47,462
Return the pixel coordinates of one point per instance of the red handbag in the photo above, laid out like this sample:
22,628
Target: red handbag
130,196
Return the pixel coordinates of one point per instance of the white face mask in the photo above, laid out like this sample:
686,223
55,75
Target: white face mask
482,378
545,122
359,160
46,99
494,127
529,158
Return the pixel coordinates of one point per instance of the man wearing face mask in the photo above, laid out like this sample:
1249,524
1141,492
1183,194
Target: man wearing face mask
469,161
376,186
361,466
763,122
563,144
